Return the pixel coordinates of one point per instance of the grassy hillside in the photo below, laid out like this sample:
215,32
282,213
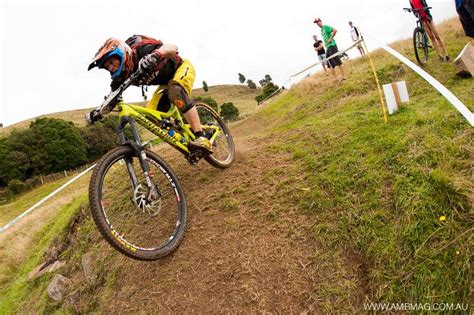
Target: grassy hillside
241,96
327,207
399,195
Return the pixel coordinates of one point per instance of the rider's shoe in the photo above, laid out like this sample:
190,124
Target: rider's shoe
202,143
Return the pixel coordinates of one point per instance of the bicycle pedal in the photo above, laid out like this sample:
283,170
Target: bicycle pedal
194,157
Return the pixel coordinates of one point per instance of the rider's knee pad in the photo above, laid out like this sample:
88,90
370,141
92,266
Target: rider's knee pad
180,98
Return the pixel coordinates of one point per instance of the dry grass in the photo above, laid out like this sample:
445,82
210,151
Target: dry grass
240,95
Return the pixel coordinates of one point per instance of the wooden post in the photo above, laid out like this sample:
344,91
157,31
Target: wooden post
382,102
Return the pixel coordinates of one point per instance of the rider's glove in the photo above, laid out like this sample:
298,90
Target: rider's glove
93,116
148,62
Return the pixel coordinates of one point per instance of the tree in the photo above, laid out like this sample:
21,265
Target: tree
49,145
267,79
100,137
268,88
229,111
260,98
251,84
60,143
204,86
241,78
209,101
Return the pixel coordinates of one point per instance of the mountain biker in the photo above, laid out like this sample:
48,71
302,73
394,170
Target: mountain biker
161,65
427,19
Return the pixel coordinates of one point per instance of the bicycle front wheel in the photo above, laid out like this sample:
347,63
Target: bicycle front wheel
140,223
420,44
223,147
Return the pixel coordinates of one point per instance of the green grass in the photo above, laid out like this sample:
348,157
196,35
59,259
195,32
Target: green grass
24,201
18,290
379,189
375,189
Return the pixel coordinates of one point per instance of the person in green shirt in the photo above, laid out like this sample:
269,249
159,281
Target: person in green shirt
328,34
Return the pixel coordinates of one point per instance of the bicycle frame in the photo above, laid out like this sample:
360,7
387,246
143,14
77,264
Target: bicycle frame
147,118
151,119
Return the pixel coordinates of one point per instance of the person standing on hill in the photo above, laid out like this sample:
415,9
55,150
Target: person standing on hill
328,34
319,48
355,34
465,9
420,8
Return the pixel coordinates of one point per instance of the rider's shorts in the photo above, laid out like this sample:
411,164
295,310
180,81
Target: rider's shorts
184,76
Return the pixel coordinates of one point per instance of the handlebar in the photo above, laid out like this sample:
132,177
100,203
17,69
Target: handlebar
416,10
115,94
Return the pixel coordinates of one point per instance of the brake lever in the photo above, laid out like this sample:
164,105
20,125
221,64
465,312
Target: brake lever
113,95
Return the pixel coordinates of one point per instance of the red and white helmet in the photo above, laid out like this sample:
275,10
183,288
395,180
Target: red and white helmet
113,47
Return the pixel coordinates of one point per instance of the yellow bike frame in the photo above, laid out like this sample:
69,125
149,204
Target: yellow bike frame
150,119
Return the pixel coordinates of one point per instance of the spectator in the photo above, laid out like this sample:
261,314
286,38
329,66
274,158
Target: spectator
421,9
465,9
319,47
355,34
328,34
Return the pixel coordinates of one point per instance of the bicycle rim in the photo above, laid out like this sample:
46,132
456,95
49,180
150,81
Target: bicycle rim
141,225
420,46
223,146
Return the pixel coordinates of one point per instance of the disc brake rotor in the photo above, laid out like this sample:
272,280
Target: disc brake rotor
146,202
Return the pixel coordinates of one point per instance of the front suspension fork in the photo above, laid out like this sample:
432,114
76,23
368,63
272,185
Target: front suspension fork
139,152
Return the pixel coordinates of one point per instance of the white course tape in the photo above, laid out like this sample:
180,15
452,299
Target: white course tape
326,59
435,83
3,229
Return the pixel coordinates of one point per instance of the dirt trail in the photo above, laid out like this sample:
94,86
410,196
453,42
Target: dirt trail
247,247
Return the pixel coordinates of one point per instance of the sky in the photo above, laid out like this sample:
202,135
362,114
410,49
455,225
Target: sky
46,46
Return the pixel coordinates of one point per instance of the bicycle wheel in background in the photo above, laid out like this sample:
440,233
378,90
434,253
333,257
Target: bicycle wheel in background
137,225
420,44
223,147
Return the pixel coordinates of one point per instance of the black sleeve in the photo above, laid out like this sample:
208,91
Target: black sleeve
115,84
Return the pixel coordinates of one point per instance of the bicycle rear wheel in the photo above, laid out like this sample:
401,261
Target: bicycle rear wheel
139,224
420,44
223,147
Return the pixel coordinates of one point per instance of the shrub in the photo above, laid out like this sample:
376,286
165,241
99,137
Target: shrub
16,186
209,101
229,111
251,84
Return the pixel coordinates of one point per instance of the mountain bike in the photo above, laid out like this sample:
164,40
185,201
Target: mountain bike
420,38
133,190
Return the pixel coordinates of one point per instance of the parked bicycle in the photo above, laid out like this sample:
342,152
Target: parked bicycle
420,38
133,190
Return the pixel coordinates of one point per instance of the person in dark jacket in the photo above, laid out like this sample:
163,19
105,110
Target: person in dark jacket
319,48
465,9
161,65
